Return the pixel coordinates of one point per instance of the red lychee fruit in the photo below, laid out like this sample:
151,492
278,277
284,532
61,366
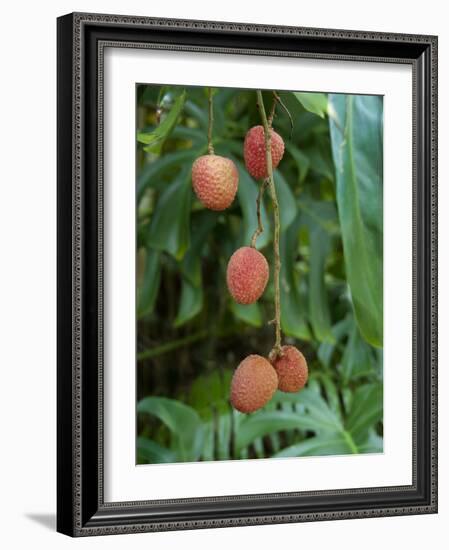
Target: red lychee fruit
254,151
247,275
215,180
291,368
253,384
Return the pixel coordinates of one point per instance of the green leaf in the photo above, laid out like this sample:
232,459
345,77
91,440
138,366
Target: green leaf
275,438
151,174
148,94
150,452
339,330
307,126
147,294
258,447
358,358
330,444
202,225
211,391
287,201
293,307
347,395
321,416
221,98
331,393
320,219
314,386
366,411
314,102
197,136
209,442
155,139
302,161
201,115
209,395
190,303
357,146
224,436
373,444
247,195
315,415
263,423
170,224
320,158
249,314
231,148
183,422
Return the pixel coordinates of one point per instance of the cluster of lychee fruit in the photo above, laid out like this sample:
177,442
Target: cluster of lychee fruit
215,178
257,378
215,182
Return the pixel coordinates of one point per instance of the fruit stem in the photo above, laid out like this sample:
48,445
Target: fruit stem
277,99
273,109
259,229
210,147
277,225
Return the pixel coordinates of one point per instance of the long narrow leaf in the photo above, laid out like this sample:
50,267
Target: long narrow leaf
366,411
320,220
293,305
356,135
151,174
250,314
287,201
151,280
153,140
190,303
170,225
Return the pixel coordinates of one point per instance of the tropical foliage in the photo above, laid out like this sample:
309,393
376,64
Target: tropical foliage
191,335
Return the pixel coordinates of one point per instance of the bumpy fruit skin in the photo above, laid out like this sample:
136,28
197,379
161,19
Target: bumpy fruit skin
254,151
247,275
215,180
253,384
291,368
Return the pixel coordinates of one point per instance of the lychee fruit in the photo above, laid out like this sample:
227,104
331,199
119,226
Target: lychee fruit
254,151
247,275
291,368
215,180
253,384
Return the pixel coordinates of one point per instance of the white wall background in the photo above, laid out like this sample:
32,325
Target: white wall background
28,282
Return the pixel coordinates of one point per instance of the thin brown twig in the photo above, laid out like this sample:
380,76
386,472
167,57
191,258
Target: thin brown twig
273,109
282,104
259,230
277,259
210,147
182,342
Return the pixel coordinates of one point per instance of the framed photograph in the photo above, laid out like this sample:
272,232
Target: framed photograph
247,279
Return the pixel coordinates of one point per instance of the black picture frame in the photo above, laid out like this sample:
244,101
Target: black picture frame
81,509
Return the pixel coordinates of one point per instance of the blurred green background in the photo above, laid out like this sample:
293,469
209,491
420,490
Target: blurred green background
191,335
